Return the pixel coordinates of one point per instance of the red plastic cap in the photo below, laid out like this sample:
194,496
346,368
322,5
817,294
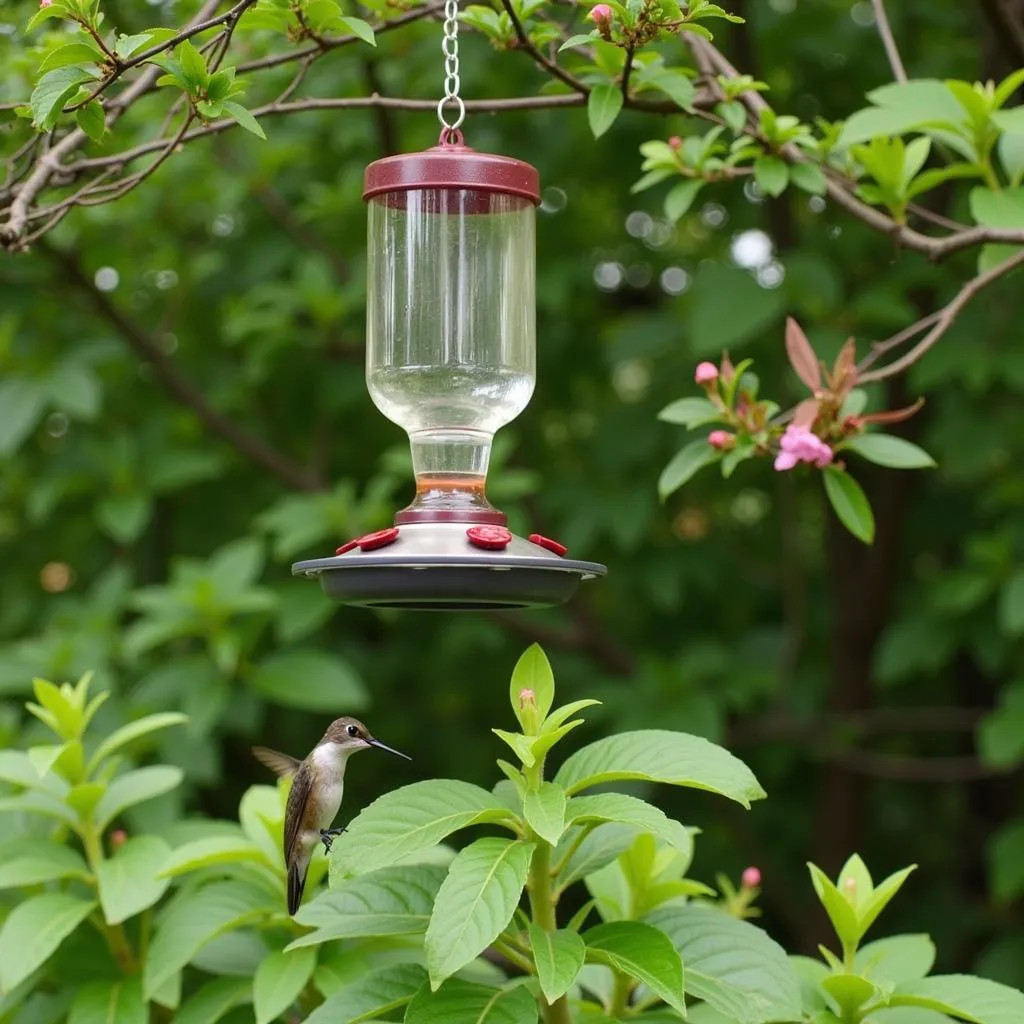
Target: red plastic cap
490,538
347,546
452,165
547,542
379,539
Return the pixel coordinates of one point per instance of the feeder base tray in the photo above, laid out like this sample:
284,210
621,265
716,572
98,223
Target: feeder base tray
449,566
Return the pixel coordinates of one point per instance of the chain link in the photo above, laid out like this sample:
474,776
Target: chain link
450,49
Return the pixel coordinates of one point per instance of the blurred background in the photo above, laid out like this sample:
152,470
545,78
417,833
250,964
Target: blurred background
183,414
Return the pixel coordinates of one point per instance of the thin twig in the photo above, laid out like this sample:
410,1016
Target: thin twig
879,348
889,41
549,66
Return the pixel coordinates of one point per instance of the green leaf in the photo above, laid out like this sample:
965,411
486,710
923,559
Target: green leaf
136,787
973,999
92,121
128,882
462,1002
771,174
731,964
1011,156
110,1002
204,853
839,909
809,177
603,106
125,46
279,980
883,893
850,503
22,403
850,992
677,86
407,820
897,959
582,39
630,810
690,412
57,10
475,902
643,952
25,862
1011,605
684,465
360,29
194,918
392,901
134,731
124,516
886,450
52,91
544,810
375,995
243,118
32,932
215,999
532,672
310,680
81,52
193,66
559,957
680,198
599,848
657,755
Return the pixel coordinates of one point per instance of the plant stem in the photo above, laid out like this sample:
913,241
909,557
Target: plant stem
114,934
542,907
620,995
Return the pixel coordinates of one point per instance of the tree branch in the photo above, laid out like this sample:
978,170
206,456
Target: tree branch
179,386
538,58
889,41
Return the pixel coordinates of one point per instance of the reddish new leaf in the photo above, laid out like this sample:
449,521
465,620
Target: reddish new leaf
893,416
844,375
805,413
801,355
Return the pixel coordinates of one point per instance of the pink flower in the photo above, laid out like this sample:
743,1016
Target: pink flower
705,373
675,142
798,444
720,439
45,3
751,877
600,14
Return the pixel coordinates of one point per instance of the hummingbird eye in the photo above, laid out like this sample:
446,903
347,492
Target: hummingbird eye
352,730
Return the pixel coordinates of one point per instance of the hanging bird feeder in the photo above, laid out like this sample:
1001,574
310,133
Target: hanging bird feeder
450,358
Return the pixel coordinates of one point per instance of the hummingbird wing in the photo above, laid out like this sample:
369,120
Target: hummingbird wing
280,764
297,859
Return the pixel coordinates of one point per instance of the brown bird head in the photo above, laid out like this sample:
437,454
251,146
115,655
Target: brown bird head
351,735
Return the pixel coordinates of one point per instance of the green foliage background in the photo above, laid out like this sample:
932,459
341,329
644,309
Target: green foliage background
875,692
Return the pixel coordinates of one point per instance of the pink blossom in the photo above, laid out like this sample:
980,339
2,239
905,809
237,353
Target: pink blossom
798,444
720,439
705,373
675,142
45,3
600,14
751,877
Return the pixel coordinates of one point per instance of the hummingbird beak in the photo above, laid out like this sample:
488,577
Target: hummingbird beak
390,750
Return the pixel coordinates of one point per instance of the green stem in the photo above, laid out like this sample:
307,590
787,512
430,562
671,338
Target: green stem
620,995
114,934
510,953
542,907
575,845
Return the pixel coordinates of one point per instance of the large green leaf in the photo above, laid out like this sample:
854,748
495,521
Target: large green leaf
644,953
603,106
134,731
214,1000
278,982
110,1002
475,902
684,465
128,881
33,931
977,1000
886,450
630,810
897,959
377,994
408,820
544,809
392,901
136,787
462,1002
195,918
598,849
559,957
849,503
209,851
657,755
731,964
31,861
310,680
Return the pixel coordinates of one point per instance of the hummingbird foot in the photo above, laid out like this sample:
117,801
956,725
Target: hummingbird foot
327,836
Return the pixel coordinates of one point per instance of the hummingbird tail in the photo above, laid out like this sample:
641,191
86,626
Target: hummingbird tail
296,884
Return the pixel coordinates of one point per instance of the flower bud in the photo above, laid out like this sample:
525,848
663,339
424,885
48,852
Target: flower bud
118,838
600,15
675,142
751,877
527,699
45,3
721,439
706,373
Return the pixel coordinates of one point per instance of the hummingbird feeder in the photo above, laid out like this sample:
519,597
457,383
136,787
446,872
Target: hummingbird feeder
450,358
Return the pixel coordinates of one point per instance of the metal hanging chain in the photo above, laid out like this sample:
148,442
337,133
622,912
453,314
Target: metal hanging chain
450,49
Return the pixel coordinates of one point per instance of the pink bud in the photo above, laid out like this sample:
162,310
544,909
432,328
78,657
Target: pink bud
600,14
118,838
45,3
720,439
675,142
705,373
527,699
751,877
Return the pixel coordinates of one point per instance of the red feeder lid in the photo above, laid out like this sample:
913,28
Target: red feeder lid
452,165
490,538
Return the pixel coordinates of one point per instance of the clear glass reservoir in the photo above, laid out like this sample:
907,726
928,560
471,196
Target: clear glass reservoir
451,337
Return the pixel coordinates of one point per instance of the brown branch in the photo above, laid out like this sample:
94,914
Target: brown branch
179,386
538,58
889,41
945,319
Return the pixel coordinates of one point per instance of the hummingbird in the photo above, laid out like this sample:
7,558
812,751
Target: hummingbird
315,796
